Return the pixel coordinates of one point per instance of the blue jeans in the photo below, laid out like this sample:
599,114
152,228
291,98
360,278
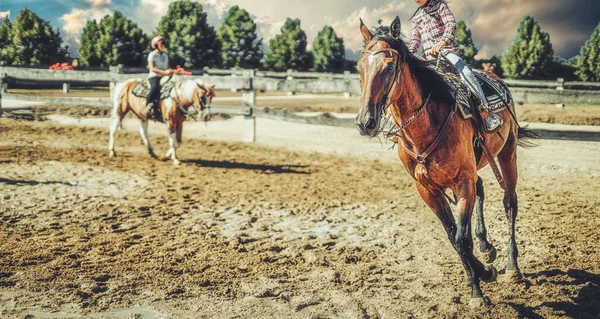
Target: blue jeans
467,75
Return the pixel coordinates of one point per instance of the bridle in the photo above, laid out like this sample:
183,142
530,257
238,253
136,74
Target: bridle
185,112
397,130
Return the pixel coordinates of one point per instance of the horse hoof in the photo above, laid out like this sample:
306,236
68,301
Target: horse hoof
489,256
176,162
112,154
494,275
512,276
152,154
478,302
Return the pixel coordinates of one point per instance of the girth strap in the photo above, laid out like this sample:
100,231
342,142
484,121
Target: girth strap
492,162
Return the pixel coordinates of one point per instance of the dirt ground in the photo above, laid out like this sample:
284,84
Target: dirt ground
253,231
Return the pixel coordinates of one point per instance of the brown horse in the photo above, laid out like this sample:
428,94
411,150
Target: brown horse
185,95
437,148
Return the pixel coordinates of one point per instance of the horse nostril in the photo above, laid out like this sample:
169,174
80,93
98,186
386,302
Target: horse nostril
371,123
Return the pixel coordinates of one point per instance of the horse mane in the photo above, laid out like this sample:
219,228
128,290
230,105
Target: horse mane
424,71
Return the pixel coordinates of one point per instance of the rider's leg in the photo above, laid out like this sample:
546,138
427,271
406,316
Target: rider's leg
152,95
491,120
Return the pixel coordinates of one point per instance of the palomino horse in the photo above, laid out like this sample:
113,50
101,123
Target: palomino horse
437,148
185,94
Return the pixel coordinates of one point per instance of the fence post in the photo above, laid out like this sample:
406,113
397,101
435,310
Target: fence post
249,101
561,84
347,80
1,90
66,87
289,77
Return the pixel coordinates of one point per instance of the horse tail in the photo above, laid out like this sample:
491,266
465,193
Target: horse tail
117,99
525,138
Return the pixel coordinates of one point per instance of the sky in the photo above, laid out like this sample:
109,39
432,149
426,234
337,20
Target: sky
493,23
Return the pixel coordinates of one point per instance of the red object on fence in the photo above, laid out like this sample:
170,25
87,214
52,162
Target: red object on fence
181,71
61,66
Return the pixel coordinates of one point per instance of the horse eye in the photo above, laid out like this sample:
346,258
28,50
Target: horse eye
390,67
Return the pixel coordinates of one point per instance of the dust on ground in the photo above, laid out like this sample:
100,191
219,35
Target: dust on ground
247,230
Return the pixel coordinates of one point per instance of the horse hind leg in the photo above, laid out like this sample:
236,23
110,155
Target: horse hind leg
113,128
508,164
487,250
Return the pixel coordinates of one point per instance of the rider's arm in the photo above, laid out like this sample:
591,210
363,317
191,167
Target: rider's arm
153,68
415,40
449,22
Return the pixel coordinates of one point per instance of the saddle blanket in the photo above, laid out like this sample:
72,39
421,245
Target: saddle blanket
142,88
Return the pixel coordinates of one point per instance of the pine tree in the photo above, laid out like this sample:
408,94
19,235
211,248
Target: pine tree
88,50
463,38
328,51
588,63
288,49
118,40
191,41
5,42
239,47
531,54
33,41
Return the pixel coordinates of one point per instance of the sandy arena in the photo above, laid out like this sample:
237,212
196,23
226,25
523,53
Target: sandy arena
310,222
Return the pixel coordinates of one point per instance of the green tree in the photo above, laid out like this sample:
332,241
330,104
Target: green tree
531,54
33,41
191,41
588,63
5,42
288,49
88,50
239,45
328,51
117,40
463,38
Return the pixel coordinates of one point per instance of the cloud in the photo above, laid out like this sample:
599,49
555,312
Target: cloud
74,21
5,15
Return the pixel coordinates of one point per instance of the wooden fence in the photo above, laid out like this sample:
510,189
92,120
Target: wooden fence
249,81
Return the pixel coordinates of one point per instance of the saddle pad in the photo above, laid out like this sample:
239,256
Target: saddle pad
142,88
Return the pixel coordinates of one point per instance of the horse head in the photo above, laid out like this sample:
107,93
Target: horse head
379,67
194,96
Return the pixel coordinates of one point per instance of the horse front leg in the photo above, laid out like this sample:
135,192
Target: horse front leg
144,136
173,145
487,250
463,241
457,234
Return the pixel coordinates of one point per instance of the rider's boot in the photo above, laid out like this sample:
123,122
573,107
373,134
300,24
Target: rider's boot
491,120
146,111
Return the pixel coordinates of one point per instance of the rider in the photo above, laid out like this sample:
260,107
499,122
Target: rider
158,65
434,27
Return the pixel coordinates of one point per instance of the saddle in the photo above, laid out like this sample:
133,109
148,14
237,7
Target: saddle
142,88
496,93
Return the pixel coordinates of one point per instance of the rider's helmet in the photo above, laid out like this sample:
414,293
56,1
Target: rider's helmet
156,39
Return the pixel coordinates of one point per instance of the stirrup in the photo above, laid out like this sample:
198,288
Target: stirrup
491,121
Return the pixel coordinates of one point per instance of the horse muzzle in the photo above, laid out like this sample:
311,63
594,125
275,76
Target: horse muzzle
368,126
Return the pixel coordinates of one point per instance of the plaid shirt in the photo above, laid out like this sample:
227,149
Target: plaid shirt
431,25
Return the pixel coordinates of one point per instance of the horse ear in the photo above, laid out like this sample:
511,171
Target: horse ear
367,35
395,28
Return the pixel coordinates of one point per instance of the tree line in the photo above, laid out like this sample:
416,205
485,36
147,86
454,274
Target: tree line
193,43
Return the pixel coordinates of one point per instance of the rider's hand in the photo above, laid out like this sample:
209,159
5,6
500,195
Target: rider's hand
438,47
169,72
